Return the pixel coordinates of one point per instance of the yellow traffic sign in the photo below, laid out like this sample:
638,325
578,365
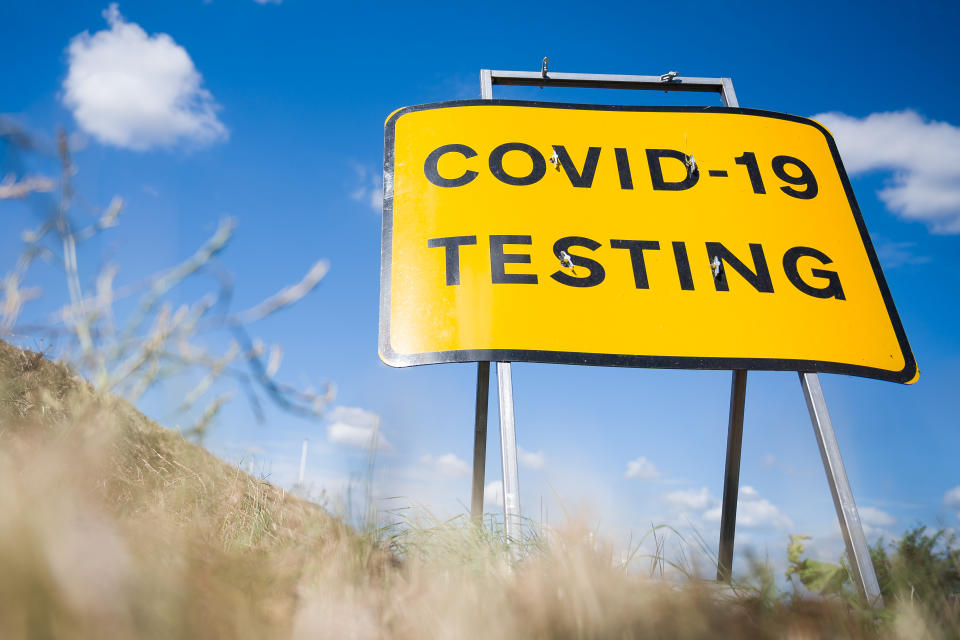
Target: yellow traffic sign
698,238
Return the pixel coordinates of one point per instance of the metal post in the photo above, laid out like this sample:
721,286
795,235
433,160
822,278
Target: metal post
738,395
857,550
731,476
608,81
508,453
727,93
508,434
480,440
486,84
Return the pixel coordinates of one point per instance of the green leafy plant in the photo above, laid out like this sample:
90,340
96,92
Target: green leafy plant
819,577
918,574
922,567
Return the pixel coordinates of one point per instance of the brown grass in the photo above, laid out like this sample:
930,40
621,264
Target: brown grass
112,526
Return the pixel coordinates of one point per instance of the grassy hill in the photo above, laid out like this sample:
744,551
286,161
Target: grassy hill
112,526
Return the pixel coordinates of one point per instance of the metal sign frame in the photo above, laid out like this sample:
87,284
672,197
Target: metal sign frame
856,545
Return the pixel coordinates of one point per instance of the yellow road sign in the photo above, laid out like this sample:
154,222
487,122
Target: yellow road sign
699,238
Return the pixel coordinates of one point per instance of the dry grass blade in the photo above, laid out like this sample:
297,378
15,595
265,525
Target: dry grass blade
153,344
11,189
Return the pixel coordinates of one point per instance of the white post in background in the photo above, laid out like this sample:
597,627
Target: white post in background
508,454
303,463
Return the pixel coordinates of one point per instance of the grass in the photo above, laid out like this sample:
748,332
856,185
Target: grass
113,526
112,522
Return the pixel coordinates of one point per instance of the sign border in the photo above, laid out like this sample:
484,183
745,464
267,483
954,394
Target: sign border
908,374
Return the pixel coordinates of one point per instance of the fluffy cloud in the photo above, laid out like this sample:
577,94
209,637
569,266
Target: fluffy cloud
354,436
641,468
531,460
137,91
493,494
354,415
875,517
753,511
447,465
952,498
690,499
355,427
923,155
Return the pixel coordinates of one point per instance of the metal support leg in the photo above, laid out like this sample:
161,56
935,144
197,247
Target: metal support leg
486,84
508,436
728,94
857,550
731,476
480,440
508,453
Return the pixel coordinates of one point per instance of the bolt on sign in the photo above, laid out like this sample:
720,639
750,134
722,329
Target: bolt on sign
695,238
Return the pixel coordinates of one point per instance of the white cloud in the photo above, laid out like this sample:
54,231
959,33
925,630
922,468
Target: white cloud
268,1
493,494
355,427
923,155
137,91
641,468
353,436
897,254
447,465
769,460
753,511
531,460
761,513
354,415
876,517
952,498
370,191
690,499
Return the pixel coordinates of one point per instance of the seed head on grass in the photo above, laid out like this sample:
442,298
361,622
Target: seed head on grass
158,342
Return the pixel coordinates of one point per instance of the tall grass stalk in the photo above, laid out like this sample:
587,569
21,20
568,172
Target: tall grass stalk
160,340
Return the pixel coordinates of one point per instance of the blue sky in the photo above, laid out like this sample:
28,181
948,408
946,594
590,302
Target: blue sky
273,113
